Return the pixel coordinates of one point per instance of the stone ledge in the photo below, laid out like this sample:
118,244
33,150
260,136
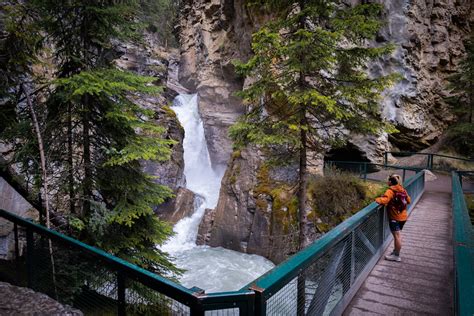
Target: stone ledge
16,300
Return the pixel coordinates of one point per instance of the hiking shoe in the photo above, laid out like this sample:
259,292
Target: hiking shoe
393,257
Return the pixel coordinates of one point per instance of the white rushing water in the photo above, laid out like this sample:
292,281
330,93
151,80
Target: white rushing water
212,269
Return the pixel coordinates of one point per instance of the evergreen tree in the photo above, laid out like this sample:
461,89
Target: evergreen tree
95,134
309,88
19,43
462,85
159,16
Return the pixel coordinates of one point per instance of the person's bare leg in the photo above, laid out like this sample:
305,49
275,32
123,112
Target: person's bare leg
397,241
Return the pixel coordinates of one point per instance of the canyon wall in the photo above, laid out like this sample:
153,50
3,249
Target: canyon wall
429,39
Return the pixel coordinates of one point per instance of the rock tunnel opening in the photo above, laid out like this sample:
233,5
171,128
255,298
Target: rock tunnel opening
346,158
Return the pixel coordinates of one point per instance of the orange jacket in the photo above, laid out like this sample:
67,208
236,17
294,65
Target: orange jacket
387,197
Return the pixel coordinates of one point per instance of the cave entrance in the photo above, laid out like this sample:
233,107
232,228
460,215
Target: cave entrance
346,158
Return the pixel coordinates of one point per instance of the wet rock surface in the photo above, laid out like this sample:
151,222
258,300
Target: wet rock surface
212,35
180,207
16,300
429,38
248,218
13,202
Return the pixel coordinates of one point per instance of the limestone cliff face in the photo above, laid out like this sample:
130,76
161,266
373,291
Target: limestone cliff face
12,202
429,38
256,212
152,60
212,34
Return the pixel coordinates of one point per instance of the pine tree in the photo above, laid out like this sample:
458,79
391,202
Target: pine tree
19,43
462,86
95,134
309,88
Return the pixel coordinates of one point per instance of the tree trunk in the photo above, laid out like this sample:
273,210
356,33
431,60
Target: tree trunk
87,183
44,176
70,161
471,102
302,188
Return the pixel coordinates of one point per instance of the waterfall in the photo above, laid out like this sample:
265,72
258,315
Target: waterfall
200,177
212,269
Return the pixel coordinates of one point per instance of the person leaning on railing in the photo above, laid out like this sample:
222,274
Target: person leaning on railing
396,200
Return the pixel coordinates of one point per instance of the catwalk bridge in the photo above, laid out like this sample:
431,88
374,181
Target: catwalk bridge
342,273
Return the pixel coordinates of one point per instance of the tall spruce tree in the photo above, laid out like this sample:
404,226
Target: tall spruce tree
95,134
461,84
309,88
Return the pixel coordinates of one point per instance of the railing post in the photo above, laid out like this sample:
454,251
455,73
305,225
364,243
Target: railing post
365,171
352,257
403,179
430,162
17,252
197,312
382,224
249,308
300,295
30,257
121,293
385,160
260,304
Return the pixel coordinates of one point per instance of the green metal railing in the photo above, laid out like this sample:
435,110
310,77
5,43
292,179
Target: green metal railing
98,283
369,170
463,250
320,279
429,162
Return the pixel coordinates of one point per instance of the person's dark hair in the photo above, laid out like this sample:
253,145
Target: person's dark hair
394,179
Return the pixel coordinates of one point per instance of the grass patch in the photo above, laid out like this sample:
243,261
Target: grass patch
339,195
448,164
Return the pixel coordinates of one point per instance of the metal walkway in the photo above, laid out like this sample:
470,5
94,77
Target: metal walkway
423,282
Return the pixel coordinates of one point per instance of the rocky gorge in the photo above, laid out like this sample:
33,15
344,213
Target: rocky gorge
255,218
256,211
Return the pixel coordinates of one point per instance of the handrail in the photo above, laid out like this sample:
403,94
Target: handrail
364,167
463,251
416,169
152,280
410,153
429,156
196,299
274,280
251,299
285,271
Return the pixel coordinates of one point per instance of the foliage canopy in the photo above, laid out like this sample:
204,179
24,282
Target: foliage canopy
95,132
308,85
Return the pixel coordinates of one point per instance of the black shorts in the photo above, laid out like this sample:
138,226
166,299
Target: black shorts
395,226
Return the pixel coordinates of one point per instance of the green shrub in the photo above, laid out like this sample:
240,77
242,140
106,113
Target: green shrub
336,193
470,205
460,138
337,196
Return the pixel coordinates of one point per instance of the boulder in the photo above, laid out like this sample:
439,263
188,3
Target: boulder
177,208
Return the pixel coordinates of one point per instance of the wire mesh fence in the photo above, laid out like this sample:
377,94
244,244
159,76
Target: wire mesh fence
322,278
140,300
98,283
71,276
318,288
318,280
463,235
